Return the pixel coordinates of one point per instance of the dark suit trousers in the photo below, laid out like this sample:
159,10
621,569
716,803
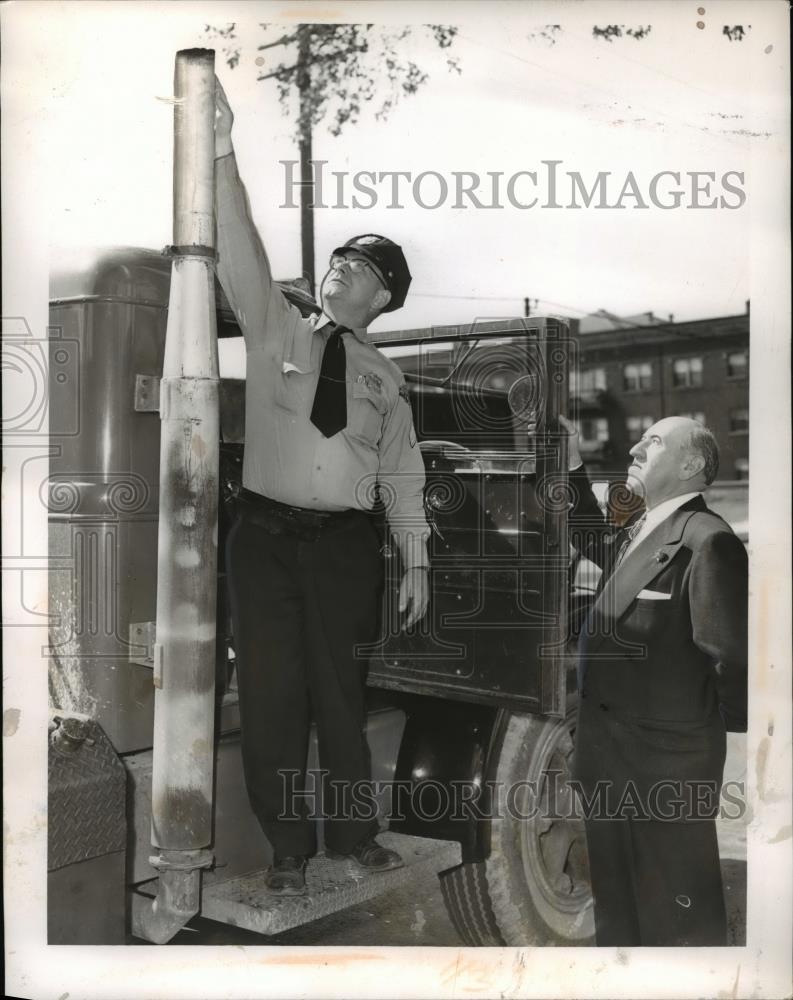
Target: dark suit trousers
299,608
656,883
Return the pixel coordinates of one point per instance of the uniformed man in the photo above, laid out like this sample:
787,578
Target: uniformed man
327,420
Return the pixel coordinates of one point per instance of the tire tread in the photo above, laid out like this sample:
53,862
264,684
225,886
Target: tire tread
488,901
466,895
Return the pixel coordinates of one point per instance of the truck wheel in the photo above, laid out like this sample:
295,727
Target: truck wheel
533,889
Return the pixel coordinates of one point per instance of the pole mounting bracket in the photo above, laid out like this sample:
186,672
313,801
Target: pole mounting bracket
190,250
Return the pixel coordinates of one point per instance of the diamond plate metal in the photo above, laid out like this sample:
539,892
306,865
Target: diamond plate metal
332,886
86,801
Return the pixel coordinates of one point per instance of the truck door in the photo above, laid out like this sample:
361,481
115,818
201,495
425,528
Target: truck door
485,402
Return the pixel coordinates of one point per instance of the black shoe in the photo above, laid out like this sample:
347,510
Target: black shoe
287,876
370,856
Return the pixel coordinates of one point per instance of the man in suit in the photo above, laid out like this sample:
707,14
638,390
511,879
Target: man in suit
662,676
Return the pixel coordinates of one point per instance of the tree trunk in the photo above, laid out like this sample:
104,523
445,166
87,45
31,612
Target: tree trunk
306,173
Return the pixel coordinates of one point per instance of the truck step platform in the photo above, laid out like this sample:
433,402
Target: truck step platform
332,886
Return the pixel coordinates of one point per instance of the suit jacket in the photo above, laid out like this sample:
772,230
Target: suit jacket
663,651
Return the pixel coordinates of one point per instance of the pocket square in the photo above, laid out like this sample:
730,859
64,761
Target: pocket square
653,595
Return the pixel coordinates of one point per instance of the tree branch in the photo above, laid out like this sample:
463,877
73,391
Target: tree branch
340,68
278,73
283,40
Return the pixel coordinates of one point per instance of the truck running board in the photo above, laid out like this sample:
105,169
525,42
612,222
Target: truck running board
332,886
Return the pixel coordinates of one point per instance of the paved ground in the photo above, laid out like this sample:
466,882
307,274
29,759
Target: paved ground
414,914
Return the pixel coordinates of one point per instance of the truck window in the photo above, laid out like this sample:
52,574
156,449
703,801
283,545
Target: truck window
474,400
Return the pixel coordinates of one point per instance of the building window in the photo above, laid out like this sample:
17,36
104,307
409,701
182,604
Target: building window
737,364
593,432
696,415
637,426
588,380
739,421
637,377
741,468
686,372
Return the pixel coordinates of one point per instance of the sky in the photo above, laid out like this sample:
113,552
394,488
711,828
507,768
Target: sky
96,78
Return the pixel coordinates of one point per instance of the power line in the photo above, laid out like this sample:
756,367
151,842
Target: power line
627,324
439,295
497,298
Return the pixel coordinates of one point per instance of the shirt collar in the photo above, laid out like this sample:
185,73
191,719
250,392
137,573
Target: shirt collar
321,320
662,510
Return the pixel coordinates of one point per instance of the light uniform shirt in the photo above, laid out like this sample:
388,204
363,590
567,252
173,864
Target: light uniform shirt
658,515
286,457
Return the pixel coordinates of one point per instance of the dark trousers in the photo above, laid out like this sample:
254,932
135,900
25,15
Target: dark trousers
656,883
299,608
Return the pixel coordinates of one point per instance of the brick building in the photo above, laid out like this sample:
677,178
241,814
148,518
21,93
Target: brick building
630,373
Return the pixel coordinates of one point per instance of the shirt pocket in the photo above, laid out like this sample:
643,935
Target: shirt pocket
367,412
296,377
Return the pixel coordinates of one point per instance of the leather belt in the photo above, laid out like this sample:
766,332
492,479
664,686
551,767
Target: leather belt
281,519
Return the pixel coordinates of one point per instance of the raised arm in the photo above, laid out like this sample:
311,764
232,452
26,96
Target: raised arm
243,267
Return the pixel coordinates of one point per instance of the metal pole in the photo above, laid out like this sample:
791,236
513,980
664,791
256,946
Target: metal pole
184,653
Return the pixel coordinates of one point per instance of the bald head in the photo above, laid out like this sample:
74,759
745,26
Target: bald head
676,455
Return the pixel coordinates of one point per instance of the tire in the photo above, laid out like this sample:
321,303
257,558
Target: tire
533,889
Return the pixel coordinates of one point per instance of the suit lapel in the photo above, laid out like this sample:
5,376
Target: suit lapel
637,569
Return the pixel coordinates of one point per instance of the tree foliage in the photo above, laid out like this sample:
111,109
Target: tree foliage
337,69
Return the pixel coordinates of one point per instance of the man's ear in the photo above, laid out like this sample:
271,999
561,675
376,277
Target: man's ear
381,299
692,465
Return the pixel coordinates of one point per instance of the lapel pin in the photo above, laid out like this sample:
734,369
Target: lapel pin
661,557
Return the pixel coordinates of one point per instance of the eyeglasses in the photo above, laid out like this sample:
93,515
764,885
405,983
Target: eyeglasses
356,264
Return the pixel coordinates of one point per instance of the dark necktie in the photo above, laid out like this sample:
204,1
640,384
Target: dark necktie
329,412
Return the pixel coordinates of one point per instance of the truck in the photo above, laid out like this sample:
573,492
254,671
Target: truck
471,714
472,706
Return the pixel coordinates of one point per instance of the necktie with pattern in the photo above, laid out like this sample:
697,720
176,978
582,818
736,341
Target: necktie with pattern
329,411
630,534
